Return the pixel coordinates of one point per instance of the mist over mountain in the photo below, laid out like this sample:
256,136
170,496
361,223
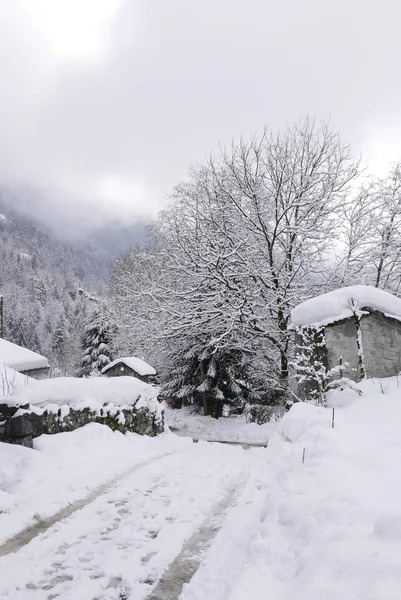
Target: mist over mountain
51,284
74,221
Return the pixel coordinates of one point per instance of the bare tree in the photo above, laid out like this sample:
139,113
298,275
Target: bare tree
256,223
247,237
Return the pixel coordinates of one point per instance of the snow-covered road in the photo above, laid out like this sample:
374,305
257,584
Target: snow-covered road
119,545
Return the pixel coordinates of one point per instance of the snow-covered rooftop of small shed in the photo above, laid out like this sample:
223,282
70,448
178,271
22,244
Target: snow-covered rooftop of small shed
136,364
336,305
19,358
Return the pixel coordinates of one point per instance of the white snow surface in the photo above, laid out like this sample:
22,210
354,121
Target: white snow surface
121,544
65,467
336,305
11,380
19,358
322,528
137,364
91,392
327,528
186,421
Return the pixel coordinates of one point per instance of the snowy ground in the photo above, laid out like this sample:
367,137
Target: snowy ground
187,422
258,523
120,544
326,529
65,468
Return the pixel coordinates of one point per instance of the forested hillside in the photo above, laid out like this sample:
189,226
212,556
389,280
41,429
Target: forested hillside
49,289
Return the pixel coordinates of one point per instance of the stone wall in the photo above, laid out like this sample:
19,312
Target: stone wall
341,342
21,424
381,338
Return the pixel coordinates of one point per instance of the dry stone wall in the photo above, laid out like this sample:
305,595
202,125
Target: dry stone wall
21,424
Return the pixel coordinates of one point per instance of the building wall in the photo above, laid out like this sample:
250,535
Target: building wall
381,340
116,372
37,373
341,342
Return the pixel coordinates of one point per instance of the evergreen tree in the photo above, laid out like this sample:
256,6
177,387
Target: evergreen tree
96,343
212,378
60,345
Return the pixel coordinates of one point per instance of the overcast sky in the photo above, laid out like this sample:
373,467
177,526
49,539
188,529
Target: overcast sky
105,103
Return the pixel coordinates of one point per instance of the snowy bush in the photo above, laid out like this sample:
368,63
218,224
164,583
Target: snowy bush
261,414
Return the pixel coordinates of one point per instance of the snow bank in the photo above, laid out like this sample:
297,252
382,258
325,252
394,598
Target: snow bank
92,392
136,364
329,527
336,305
19,358
302,420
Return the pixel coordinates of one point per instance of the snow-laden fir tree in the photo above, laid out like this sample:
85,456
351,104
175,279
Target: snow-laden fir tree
310,362
211,378
96,343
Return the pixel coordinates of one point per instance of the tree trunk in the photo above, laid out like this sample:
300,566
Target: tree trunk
217,408
283,365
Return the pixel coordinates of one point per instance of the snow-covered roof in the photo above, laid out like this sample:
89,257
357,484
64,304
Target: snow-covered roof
136,364
19,358
336,305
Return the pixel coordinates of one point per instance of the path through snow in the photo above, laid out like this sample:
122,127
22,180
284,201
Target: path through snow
187,562
41,525
119,546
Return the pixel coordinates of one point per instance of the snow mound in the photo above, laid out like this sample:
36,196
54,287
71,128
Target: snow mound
20,359
303,419
92,392
336,305
136,364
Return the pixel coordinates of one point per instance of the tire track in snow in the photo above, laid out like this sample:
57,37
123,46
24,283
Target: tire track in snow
42,525
185,565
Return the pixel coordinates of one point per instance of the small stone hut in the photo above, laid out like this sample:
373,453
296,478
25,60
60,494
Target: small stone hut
131,366
351,332
23,361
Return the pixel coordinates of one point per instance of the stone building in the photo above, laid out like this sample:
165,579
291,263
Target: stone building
131,366
23,361
352,332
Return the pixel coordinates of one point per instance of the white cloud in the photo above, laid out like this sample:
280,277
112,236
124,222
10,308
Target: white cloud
104,103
